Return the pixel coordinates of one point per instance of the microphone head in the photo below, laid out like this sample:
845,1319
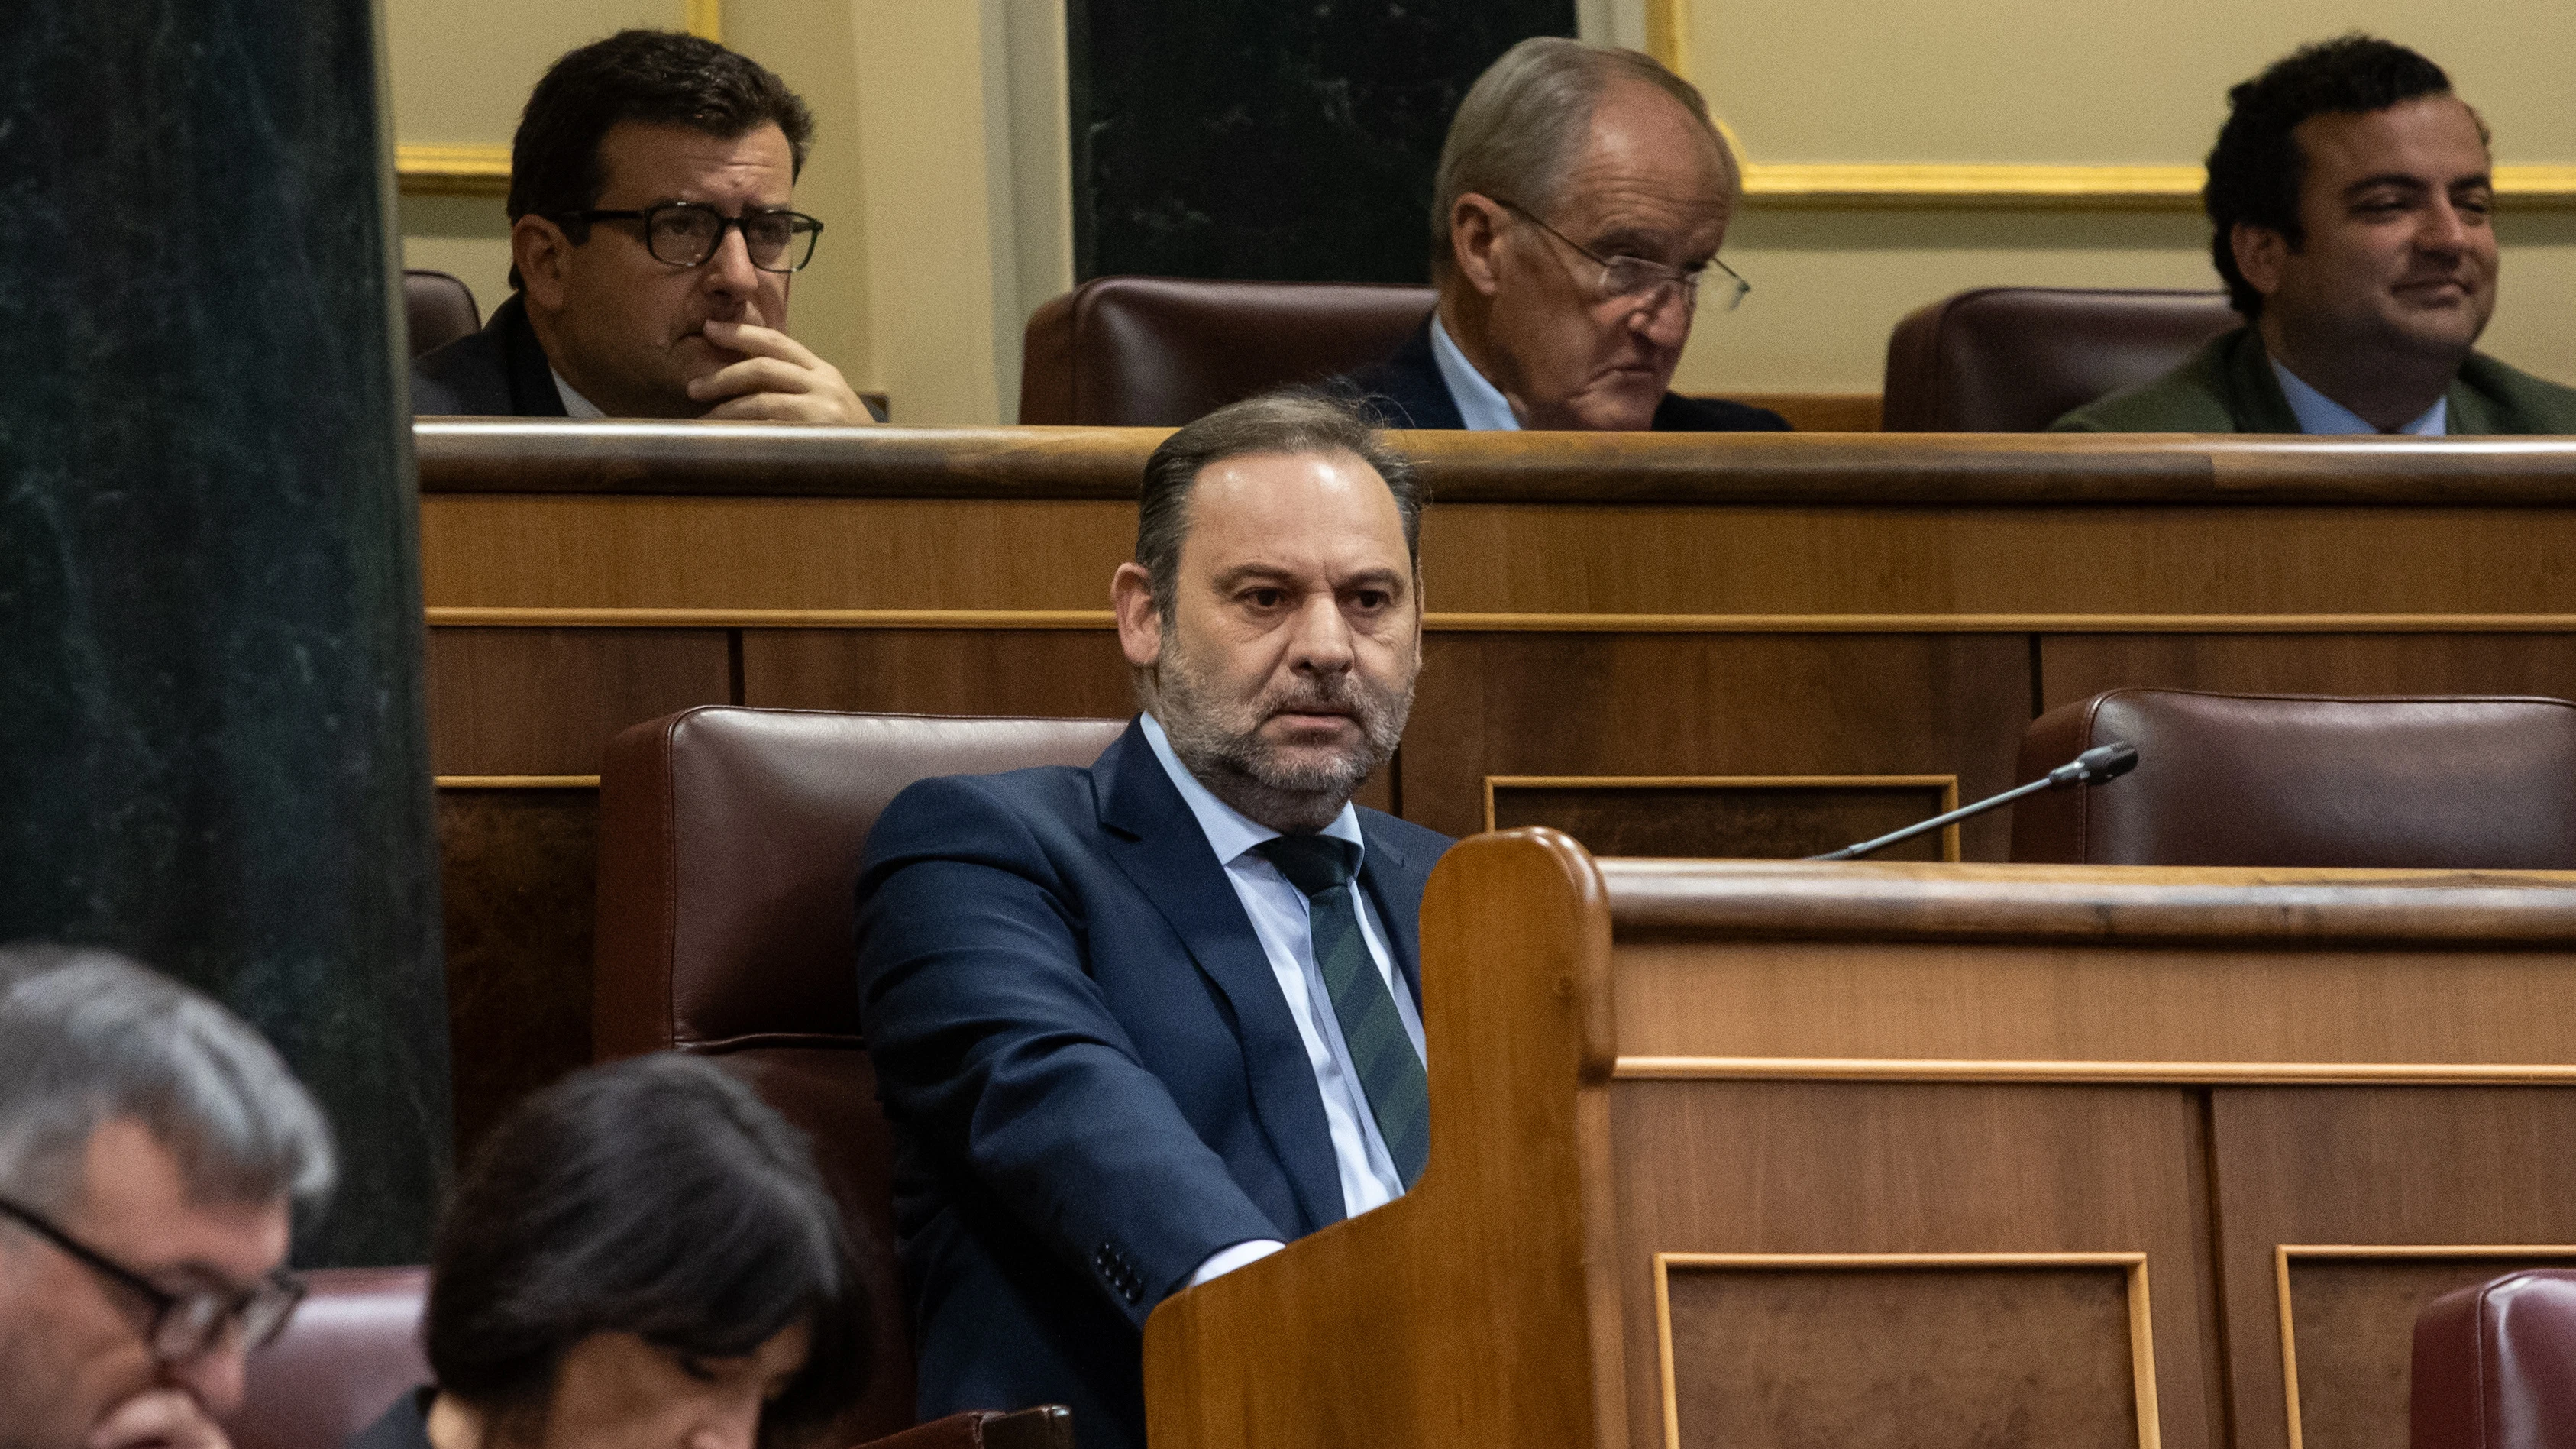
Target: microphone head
2100,763
2106,762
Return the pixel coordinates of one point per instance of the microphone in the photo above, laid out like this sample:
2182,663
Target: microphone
2100,763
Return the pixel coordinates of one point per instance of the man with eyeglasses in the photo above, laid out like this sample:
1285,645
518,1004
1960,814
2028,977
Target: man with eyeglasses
1581,198
652,244
151,1150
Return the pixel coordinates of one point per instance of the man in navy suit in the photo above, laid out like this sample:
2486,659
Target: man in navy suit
1139,1024
1581,198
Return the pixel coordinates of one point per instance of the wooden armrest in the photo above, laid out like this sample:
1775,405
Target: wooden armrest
1049,1426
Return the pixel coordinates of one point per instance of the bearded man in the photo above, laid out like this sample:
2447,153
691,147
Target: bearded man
1139,1024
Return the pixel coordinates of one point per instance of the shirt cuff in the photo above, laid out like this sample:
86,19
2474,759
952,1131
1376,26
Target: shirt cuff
1226,1260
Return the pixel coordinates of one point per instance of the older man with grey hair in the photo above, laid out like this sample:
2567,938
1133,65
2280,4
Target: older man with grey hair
1582,195
152,1148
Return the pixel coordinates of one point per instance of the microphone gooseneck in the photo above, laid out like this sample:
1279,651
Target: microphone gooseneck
2100,763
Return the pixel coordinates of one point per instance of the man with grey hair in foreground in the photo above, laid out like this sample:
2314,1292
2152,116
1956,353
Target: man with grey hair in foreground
1582,195
152,1148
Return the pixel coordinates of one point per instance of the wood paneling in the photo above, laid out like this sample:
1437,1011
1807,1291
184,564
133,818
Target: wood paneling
543,701
2179,1006
2358,1165
519,869
1055,673
1583,704
1896,1357
537,550
1737,819
1771,1167
2078,666
1995,560
2355,1321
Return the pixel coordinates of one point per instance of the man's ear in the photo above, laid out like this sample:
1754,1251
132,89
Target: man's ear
1475,242
2259,252
543,254
1140,623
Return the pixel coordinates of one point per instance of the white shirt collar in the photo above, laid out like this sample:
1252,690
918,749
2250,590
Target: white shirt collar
2322,416
1229,831
1481,405
575,405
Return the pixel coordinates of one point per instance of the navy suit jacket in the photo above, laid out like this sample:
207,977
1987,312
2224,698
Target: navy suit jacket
1409,392
499,372
1094,1080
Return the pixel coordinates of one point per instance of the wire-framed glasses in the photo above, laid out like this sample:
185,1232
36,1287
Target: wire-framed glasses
686,233
183,1325
1635,279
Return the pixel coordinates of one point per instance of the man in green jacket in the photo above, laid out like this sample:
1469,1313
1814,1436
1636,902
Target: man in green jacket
2350,198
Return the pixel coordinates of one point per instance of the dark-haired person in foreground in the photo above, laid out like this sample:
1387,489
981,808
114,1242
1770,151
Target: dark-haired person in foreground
652,242
1581,198
2351,202
642,1256
152,1149
1139,1024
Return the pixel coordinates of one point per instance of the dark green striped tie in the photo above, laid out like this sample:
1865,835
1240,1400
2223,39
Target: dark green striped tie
1390,1071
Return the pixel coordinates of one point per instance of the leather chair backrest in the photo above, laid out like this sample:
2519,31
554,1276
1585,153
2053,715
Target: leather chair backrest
439,309
2016,359
2495,1365
349,1351
1145,352
2396,782
729,844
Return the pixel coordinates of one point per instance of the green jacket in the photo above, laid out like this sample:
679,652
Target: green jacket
2228,387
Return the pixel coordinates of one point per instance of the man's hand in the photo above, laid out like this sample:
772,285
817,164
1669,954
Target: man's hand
779,379
158,1419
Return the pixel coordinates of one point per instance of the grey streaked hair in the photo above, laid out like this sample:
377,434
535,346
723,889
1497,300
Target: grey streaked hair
87,1037
1525,120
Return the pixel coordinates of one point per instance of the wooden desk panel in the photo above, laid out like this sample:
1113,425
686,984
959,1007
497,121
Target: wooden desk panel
1573,1286
2078,666
1869,1171
1611,704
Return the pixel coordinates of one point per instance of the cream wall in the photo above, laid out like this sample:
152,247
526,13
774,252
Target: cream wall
939,168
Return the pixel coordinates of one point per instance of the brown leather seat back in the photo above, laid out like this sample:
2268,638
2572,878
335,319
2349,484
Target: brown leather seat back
2495,1365
729,844
1147,352
438,308
2016,359
349,1351
2399,782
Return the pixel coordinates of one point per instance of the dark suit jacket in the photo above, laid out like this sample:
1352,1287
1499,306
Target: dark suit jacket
1409,392
1094,1079
499,372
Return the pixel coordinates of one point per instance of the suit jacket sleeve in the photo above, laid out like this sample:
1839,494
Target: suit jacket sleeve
996,1051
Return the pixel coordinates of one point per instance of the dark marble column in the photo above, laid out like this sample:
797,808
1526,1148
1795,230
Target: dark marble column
212,749
1263,141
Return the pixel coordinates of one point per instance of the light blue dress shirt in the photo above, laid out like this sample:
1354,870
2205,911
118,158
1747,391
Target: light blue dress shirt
2321,416
1481,405
1278,911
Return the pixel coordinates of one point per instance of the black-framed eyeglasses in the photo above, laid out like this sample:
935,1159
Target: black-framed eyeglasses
686,233
183,1325
1637,279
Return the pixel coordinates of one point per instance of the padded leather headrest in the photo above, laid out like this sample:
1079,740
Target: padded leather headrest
1149,352
729,844
2400,782
2016,359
